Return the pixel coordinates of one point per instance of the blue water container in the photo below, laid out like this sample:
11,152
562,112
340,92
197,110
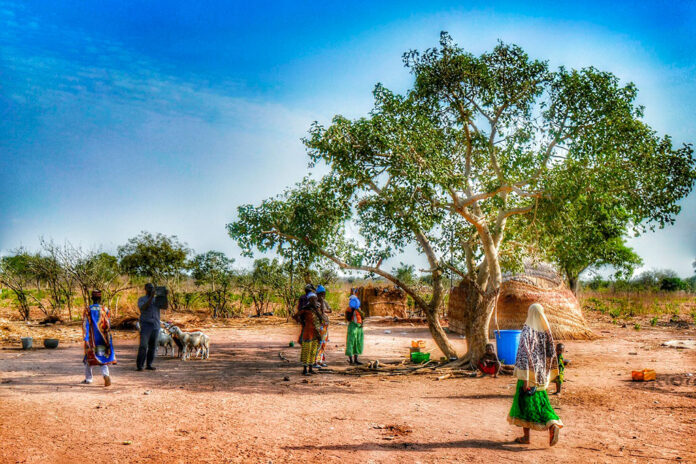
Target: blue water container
507,342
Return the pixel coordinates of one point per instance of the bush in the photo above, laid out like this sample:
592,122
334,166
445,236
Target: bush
672,284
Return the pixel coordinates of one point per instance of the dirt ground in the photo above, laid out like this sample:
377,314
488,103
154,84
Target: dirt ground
237,407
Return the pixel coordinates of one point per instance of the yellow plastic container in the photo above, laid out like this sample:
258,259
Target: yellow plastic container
420,344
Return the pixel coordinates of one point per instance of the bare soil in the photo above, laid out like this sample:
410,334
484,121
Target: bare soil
237,407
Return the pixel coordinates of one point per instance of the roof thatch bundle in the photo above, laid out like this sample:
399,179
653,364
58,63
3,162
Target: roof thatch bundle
383,301
517,293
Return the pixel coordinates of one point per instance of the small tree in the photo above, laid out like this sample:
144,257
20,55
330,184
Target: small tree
48,267
214,271
94,270
16,274
160,258
261,283
579,233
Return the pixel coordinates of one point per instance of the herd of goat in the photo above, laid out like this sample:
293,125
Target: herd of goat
186,342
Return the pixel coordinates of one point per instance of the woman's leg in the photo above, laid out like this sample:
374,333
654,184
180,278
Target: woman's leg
88,373
105,374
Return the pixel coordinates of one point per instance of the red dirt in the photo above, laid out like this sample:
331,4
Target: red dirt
236,407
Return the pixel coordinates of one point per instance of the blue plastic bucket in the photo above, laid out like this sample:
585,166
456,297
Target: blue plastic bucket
507,342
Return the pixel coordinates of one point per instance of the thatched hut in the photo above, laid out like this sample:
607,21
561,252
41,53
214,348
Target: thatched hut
383,301
517,293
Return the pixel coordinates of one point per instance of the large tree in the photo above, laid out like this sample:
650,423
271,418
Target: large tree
456,163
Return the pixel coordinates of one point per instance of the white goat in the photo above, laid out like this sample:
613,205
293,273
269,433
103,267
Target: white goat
191,340
165,339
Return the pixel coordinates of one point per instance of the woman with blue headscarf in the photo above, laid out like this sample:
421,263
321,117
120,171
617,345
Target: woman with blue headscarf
354,336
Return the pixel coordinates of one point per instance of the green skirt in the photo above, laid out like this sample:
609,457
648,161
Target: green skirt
354,339
532,411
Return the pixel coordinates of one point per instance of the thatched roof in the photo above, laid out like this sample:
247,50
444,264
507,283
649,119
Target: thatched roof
517,293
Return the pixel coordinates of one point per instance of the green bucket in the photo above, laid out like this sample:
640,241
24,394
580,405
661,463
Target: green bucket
420,358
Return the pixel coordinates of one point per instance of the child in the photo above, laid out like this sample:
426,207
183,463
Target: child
562,363
354,336
489,363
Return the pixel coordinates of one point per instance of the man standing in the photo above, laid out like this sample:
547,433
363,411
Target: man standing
149,328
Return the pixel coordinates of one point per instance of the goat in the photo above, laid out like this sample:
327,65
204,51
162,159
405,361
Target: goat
165,339
191,340
179,344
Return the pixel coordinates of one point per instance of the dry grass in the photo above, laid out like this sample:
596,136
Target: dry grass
621,304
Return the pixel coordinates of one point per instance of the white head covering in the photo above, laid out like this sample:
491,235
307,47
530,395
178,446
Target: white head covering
536,319
536,361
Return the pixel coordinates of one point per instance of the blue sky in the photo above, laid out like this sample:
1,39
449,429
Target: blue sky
119,116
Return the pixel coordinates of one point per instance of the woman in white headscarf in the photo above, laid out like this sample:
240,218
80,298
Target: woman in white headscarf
535,367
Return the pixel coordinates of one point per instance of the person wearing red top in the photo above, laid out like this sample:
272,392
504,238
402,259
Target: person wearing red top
311,321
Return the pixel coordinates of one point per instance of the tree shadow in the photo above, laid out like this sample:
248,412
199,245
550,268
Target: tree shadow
667,384
418,446
475,396
232,366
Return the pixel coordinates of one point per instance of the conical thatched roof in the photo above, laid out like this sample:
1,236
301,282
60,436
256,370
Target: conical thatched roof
517,293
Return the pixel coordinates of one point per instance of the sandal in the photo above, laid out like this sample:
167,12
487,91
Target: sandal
555,434
522,440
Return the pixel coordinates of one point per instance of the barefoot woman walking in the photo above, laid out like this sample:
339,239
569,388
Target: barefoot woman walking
535,367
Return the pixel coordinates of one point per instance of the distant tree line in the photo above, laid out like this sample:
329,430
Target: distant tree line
59,277
665,280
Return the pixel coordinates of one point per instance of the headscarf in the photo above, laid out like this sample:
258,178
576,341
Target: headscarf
536,318
536,361
321,289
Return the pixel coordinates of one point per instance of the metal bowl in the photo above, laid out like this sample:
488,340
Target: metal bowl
51,343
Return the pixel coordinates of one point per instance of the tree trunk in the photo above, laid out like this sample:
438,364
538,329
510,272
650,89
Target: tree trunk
574,284
438,333
478,310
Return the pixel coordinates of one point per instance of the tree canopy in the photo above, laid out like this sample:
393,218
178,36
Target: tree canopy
159,257
462,165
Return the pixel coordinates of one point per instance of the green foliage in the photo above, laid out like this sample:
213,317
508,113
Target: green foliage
16,273
214,271
484,159
406,273
664,280
672,284
158,257
636,326
653,321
